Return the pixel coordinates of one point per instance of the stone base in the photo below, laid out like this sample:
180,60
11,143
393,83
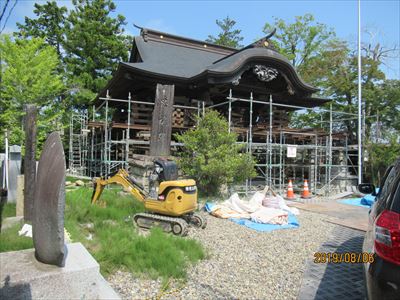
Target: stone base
11,221
23,277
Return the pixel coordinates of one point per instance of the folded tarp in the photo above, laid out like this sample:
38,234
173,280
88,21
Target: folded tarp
368,200
354,202
292,221
365,201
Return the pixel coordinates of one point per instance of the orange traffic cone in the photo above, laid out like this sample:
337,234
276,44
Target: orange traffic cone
290,193
306,192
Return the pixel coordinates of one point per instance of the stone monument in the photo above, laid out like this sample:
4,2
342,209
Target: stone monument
46,272
49,203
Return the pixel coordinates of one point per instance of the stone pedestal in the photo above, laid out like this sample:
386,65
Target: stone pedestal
23,277
140,167
20,196
14,170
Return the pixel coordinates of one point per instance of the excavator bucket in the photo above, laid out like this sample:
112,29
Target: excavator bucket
94,191
98,188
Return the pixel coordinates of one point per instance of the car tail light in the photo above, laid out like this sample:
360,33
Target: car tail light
387,236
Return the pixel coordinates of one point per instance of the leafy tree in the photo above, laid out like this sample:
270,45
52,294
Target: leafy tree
49,25
88,40
380,156
228,36
300,41
94,44
211,155
337,72
388,113
29,75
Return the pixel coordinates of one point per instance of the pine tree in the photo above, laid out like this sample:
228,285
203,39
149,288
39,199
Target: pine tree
49,25
94,45
228,37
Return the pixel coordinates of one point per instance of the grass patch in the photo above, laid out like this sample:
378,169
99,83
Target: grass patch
73,179
107,231
9,210
11,241
115,242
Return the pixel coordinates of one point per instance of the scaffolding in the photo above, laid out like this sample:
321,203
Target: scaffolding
110,151
322,156
78,147
318,160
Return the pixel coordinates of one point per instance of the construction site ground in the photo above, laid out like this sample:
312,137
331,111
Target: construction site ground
351,216
246,264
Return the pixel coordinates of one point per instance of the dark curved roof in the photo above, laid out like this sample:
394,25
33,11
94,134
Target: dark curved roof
162,57
172,60
167,59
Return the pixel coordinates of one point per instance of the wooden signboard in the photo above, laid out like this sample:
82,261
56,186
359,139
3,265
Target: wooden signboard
161,127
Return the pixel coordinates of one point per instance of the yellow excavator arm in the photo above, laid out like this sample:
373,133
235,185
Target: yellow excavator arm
121,178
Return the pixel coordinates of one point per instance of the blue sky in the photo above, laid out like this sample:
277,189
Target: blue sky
196,19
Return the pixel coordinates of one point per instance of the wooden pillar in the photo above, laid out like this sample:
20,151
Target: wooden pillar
161,126
30,161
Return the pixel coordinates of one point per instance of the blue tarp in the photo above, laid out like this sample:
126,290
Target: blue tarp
365,201
292,222
368,200
353,201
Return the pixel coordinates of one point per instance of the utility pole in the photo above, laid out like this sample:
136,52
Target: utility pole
359,97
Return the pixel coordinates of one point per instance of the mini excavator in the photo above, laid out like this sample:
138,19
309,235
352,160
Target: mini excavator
170,203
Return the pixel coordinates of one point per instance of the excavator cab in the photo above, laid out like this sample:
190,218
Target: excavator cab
170,202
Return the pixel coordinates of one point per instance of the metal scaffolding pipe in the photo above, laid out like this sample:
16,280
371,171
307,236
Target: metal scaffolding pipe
251,126
359,97
128,133
198,112
105,155
229,110
330,150
270,140
291,106
126,101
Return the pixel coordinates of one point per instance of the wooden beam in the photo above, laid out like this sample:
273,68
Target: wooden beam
161,127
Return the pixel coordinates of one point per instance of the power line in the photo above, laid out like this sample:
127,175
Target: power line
9,14
4,10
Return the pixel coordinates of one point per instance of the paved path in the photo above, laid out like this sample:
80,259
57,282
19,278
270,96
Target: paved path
335,281
342,214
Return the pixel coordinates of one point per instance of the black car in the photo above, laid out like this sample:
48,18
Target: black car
382,276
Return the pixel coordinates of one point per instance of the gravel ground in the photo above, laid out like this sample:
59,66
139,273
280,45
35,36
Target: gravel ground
243,263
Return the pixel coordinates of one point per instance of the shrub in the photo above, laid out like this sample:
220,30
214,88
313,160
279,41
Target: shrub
211,155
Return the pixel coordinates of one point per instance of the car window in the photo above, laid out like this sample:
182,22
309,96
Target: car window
395,206
382,183
385,189
388,187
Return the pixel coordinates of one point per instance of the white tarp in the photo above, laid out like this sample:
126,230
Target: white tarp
260,208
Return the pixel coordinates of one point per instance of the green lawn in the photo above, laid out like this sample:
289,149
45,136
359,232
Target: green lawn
11,241
107,231
9,210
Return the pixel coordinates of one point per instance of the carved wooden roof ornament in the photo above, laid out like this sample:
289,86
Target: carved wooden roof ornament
265,74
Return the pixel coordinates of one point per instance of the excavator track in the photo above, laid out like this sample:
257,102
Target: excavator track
177,226
196,220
